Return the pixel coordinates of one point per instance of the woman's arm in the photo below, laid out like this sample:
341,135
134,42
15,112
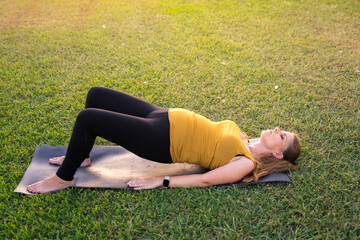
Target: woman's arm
234,171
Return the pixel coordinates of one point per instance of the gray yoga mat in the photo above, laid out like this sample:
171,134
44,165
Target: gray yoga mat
113,167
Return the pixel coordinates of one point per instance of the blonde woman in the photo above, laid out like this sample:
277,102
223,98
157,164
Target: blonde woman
170,136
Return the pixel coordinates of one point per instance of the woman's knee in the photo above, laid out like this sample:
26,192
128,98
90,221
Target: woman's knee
85,115
92,94
93,91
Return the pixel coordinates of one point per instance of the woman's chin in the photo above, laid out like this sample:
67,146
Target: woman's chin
262,134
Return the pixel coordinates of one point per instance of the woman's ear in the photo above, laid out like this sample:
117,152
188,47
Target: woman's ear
278,155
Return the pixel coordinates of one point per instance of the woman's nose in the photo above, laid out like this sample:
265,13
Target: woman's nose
277,129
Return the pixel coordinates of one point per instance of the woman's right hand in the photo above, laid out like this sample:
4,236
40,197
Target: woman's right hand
145,183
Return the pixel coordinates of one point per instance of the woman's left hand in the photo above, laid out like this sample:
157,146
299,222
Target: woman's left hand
146,183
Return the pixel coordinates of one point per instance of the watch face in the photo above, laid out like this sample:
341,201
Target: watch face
166,181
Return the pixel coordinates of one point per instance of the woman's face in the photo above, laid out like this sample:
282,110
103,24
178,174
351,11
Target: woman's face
276,141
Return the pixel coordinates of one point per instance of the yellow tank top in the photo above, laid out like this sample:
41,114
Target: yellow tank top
197,140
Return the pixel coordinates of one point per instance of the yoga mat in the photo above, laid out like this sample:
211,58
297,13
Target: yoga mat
112,167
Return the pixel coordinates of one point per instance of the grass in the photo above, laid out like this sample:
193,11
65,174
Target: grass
222,59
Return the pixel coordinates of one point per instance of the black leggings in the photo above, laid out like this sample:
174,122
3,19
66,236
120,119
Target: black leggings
136,125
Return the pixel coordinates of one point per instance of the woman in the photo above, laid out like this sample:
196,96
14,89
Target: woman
170,136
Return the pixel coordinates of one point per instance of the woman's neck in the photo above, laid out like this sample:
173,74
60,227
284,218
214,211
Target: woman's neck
258,150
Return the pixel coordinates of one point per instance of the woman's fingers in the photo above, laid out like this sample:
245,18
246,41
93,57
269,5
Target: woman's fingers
145,183
136,183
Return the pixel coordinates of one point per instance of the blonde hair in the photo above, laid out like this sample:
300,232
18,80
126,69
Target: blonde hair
270,164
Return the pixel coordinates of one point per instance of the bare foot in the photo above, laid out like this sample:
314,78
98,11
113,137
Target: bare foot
50,184
59,161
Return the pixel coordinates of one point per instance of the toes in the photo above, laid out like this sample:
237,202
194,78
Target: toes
55,160
31,189
34,188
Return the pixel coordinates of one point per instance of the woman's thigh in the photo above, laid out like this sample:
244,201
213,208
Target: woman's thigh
113,100
146,137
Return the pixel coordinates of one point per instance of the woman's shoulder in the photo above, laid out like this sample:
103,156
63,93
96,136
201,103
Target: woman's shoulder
243,161
242,158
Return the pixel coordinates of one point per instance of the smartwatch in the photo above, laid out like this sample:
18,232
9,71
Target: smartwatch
166,181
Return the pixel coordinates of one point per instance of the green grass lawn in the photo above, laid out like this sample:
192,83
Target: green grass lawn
221,59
